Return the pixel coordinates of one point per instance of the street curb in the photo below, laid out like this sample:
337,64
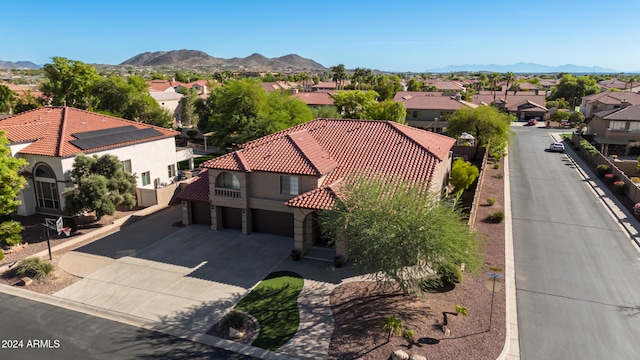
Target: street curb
511,349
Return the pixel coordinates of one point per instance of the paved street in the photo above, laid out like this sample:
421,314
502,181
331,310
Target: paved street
68,334
577,274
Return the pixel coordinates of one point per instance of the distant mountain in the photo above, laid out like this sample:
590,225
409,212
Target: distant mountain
524,68
18,65
192,58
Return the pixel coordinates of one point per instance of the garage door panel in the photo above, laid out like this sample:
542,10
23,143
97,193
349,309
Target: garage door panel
201,213
232,218
272,222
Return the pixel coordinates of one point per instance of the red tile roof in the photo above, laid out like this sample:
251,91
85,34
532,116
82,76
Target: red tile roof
198,189
339,148
513,100
613,97
51,129
431,101
314,98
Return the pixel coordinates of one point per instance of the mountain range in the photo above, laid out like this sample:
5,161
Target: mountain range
192,58
18,65
522,67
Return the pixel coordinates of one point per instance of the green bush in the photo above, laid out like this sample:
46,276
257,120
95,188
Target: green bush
1,255
496,217
10,233
450,273
33,267
234,319
496,165
491,201
410,335
619,187
602,169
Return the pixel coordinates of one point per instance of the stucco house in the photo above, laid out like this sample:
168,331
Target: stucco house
278,183
428,110
524,105
607,100
49,138
616,131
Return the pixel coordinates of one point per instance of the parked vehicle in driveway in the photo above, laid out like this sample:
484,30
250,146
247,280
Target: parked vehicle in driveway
557,146
532,122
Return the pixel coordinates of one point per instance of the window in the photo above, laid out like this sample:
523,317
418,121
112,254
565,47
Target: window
126,166
146,178
617,125
634,126
289,185
414,114
171,170
46,188
228,181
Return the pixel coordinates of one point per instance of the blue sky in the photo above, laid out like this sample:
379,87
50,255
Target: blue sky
392,36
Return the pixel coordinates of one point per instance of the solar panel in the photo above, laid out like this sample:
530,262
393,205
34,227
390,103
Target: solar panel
113,138
94,133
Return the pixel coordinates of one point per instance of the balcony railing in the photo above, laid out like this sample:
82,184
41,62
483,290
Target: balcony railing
232,193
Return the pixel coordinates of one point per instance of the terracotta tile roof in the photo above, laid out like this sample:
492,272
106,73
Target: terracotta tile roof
629,113
338,148
513,101
613,97
314,98
432,101
320,198
163,85
198,188
51,129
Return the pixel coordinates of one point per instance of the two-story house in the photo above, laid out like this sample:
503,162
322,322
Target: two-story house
429,110
278,183
524,105
616,130
607,100
49,138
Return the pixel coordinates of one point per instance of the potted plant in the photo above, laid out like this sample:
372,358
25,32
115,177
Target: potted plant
295,254
338,260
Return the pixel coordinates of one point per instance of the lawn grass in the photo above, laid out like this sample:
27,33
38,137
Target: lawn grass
274,302
184,165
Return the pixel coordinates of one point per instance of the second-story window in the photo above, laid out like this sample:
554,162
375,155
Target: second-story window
617,125
289,185
228,181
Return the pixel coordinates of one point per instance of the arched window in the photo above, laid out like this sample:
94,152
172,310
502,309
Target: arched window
46,187
228,181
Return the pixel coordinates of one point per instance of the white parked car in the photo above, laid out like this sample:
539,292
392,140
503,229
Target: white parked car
557,146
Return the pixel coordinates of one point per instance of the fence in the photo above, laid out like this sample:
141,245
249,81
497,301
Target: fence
633,192
476,196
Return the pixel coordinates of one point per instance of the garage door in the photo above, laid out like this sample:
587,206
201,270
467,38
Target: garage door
272,222
232,218
200,213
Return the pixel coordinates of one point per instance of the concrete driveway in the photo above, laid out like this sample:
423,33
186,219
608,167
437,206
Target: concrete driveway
189,278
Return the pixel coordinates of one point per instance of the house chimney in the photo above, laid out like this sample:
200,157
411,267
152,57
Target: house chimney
624,103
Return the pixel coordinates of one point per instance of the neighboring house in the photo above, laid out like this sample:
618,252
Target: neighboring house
329,86
605,85
49,138
616,130
446,85
278,183
201,86
164,85
523,105
607,100
428,110
280,85
314,99
170,101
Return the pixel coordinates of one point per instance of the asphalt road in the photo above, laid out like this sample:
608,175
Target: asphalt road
577,274
33,330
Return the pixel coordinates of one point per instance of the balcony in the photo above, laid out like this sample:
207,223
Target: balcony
224,192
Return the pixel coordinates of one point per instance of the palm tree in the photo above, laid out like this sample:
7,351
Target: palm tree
493,79
392,325
339,75
509,78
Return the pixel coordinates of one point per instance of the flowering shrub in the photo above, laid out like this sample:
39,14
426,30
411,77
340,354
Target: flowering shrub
636,209
602,170
609,178
619,187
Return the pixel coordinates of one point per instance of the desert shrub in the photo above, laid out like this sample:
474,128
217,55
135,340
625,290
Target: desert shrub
496,165
410,335
602,170
619,187
10,233
234,319
635,180
496,217
498,176
491,200
33,267
1,255
636,209
450,273
392,326
461,309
